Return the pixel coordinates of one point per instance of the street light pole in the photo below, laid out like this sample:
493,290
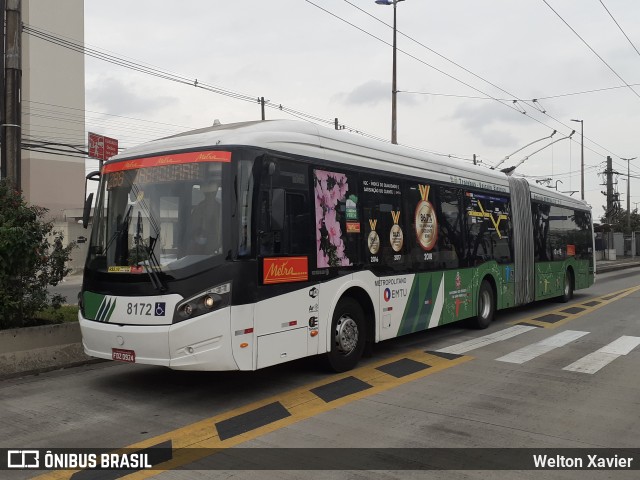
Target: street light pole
629,191
581,156
394,86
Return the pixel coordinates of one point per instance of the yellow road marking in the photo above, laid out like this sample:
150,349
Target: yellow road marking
300,402
572,316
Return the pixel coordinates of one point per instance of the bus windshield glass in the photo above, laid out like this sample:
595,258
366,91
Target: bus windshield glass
162,213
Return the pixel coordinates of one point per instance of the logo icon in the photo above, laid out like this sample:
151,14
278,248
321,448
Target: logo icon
161,308
23,459
313,293
387,294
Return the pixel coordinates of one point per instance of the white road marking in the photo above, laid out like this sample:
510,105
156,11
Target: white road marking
474,343
601,358
536,349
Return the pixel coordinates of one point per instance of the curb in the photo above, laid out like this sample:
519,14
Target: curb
615,267
30,350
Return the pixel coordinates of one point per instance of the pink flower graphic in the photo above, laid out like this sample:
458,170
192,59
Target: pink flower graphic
330,188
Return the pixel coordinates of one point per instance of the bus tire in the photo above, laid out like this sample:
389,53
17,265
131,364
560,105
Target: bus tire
348,336
567,293
486,306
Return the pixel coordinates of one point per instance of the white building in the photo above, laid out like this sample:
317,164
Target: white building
53,104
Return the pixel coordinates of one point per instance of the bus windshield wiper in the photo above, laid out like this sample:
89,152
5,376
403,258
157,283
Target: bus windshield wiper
151,265
124,228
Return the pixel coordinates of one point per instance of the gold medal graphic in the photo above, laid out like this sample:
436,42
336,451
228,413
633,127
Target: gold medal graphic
395,237
373,241
425,221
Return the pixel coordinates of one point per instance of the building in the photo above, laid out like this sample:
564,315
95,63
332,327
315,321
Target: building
53,104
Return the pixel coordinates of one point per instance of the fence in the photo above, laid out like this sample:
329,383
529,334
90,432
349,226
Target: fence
612,245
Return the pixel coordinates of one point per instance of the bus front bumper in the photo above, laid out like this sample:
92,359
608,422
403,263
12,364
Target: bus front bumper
202,343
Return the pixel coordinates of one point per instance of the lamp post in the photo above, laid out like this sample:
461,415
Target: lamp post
394,129
628,191
581,156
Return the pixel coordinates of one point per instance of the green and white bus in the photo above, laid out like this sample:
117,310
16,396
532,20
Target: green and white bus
242,246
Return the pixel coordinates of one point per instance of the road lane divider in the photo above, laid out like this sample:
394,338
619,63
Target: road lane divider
229,429
562,315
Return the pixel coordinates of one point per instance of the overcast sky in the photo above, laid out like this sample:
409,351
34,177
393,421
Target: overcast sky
296,54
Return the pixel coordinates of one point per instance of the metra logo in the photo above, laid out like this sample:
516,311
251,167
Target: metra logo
285,269
394,294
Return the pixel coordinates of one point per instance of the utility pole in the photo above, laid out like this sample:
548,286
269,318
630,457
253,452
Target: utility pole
11,125
609,173
629,191
3,159
261,99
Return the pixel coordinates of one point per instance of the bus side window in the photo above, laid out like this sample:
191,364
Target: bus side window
541,244
284,220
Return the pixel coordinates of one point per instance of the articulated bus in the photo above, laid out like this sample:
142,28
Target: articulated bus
242,246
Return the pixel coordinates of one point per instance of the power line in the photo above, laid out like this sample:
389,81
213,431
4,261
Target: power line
438,54
618,25
503,102
163,74
591,48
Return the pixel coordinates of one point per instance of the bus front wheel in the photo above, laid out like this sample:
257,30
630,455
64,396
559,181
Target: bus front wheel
348,336
486,306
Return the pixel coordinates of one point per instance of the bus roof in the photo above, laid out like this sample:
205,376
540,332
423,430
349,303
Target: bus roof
311,140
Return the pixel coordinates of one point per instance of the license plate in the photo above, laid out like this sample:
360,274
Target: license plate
121,355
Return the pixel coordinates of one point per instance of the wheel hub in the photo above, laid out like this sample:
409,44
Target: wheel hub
346,335
484,306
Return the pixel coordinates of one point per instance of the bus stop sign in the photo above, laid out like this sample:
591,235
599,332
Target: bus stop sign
101,147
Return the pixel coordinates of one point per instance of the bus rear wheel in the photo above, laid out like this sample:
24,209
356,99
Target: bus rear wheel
348,336
567,293
486,306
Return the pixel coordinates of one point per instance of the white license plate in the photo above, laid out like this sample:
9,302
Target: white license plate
121,355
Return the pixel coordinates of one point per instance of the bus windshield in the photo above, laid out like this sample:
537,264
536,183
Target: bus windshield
160,213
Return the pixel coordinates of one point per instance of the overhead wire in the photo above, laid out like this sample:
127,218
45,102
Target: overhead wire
591,48
92,52
74,45
619,27
503,102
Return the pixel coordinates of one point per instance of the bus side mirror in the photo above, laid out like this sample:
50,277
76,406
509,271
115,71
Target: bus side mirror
87,210
94,177
277,208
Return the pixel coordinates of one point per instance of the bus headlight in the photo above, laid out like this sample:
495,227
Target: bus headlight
204,302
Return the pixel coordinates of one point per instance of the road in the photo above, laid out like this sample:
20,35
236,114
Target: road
69,288
546,376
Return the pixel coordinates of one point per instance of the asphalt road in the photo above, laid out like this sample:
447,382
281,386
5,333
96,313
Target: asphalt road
69,288
546,376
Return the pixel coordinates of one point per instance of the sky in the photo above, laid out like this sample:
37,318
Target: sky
467,71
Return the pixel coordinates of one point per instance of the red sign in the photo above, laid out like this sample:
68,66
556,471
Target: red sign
174,159
101,147
571,250
285,269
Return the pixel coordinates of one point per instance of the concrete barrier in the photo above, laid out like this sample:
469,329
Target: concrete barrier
37,349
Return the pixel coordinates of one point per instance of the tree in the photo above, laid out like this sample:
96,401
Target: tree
32,258
618,221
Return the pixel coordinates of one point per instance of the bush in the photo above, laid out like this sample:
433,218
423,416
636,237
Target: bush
32,258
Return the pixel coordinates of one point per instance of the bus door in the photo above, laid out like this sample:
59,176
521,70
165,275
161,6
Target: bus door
289,302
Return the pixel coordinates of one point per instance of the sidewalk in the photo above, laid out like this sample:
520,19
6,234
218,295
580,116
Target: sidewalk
603,266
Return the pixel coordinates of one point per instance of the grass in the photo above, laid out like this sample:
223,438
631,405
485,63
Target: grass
64,314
